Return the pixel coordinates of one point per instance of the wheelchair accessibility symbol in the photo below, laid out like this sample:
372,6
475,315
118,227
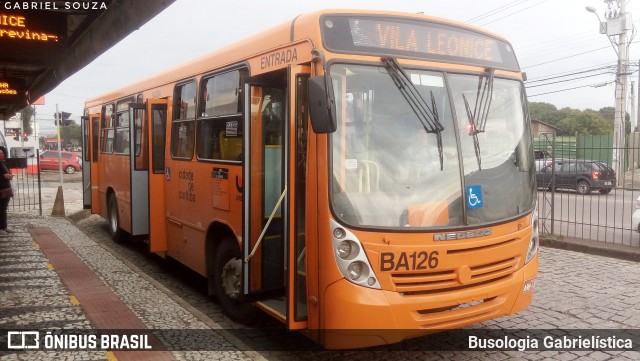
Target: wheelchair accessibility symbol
474,197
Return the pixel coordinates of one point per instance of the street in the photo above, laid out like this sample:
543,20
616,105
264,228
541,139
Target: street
573,291
596,216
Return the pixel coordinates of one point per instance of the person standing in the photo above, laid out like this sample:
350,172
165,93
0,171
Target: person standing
5,190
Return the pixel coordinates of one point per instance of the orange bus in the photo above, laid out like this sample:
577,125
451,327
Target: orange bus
362,176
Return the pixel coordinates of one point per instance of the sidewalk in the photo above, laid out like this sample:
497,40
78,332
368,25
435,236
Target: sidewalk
53,277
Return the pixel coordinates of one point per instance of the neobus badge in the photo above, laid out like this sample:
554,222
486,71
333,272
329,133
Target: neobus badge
462,235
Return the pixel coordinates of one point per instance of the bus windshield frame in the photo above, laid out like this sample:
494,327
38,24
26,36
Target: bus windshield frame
385,171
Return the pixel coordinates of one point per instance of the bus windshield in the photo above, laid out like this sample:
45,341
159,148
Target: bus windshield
387,170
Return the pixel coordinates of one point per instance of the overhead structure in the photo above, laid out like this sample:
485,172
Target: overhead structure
43,43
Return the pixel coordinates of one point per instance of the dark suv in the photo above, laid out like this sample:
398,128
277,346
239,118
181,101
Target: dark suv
582,175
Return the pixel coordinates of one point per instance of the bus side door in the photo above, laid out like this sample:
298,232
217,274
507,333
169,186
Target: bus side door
90,179
265,205
148,134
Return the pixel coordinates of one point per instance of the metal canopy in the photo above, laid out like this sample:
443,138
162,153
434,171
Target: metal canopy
41,47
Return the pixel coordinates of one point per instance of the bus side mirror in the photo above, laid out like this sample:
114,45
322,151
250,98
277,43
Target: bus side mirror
322,105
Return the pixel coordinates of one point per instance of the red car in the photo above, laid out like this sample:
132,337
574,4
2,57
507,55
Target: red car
70,161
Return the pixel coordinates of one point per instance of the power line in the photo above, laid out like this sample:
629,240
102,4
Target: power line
519,11
583,86
570,74
594,67
557,48
566,80
563,90
563,58
496,10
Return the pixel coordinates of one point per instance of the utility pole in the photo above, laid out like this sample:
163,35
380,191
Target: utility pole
632,110
58,121
635,128
617,13
618,22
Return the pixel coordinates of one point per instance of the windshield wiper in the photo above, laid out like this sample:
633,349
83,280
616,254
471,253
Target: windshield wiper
478,118
428,115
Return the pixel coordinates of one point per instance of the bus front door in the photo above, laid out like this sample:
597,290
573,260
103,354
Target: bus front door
265,197
147,140
297,252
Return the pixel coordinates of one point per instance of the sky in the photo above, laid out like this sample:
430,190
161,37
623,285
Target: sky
551,38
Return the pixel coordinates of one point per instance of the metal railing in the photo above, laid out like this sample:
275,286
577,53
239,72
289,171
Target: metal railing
26,184
600,214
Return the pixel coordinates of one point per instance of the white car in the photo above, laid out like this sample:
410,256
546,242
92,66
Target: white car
635,218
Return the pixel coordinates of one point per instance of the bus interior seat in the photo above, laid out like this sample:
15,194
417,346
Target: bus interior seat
368,176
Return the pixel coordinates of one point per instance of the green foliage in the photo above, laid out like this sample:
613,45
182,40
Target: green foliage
72,134
570,121
584,123
26,115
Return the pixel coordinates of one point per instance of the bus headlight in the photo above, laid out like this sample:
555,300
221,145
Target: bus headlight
351,259
533,243
355,270
343,249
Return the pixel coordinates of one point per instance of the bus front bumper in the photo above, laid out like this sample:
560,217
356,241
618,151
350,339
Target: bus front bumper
357,316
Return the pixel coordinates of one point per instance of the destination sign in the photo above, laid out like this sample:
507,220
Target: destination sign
416,39
12,92
32,36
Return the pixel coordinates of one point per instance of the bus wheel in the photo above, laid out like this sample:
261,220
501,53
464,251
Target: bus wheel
227,274
116,233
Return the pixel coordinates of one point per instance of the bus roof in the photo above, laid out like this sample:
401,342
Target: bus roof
259,43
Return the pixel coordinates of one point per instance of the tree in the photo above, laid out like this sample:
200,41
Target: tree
545,112
609,114
26,115
571,120
585,123
72,134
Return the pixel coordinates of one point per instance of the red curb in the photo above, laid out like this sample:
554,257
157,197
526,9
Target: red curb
104,309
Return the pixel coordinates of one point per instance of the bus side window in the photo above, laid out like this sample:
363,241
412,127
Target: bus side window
183,125
219,135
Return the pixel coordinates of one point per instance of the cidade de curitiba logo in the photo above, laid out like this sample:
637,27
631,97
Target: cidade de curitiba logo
36,340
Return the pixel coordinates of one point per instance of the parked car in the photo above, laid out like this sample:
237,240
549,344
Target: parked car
582,175
70,161
541,154
635,217
542,159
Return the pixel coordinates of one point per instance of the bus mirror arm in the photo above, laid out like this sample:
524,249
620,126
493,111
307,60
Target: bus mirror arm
322,103
266,226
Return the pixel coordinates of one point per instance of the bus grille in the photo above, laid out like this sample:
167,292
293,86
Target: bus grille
435,282
460,315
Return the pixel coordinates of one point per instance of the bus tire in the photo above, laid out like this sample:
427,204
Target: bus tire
116,233
227,274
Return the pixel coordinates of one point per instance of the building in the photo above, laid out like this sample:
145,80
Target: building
539,127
